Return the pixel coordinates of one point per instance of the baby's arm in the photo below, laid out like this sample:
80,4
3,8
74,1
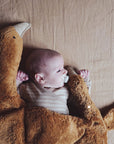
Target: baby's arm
21,76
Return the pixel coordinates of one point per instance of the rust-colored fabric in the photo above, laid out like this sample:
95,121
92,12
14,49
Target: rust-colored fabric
11,45
12,130
22,125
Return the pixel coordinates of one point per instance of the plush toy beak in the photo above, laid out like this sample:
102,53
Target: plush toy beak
21,28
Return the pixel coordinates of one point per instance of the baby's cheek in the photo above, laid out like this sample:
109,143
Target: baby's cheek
60,75
61,79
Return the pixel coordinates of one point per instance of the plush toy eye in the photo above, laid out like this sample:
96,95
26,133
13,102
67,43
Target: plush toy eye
14,37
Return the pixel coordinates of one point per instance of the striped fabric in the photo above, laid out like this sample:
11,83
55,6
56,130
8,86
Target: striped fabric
52,99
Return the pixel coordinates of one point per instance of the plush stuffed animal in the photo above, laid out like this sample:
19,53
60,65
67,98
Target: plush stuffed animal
12,127
20,125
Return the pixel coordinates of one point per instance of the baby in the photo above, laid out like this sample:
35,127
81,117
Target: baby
45,86
47,76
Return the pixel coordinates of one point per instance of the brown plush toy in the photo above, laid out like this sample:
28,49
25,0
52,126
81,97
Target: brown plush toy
12,127
22,125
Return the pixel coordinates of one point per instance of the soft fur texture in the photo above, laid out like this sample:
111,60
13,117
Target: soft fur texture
20,125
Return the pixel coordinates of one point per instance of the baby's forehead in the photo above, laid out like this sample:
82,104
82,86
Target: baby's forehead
54,62
54,59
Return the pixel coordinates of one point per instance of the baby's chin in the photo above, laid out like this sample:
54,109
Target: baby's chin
59,86
55,86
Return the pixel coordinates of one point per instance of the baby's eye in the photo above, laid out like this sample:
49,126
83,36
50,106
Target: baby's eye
58,71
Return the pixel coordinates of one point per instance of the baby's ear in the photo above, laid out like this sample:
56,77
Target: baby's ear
39,77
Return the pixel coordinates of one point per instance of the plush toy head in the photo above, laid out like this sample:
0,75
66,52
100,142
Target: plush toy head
11,45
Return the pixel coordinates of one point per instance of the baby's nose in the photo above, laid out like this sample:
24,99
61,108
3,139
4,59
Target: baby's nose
65,71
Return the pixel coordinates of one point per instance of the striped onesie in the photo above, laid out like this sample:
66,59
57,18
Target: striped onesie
52,99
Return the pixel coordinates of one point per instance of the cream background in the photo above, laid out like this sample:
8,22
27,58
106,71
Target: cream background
81,30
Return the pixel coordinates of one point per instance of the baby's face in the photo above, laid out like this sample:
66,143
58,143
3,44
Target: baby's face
54,72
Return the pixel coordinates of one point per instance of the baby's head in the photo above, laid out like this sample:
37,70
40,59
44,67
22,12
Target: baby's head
46,67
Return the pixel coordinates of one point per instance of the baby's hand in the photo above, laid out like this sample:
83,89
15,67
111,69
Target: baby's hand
21,76
85,75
